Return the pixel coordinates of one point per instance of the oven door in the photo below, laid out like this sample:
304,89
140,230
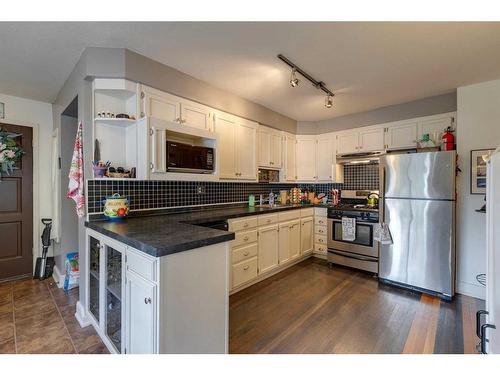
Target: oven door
363,244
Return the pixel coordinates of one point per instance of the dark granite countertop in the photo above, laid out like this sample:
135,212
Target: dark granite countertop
161,233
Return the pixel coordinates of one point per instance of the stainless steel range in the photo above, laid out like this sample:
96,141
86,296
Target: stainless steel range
363,252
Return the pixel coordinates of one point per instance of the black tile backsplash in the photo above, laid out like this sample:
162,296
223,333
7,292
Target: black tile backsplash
361,177
166,194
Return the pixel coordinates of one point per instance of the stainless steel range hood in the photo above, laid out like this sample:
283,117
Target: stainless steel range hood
360,158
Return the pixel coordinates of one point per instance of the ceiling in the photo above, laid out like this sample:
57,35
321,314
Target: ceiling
368,65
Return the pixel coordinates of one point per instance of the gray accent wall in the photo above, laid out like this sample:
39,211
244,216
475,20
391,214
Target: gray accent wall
417,108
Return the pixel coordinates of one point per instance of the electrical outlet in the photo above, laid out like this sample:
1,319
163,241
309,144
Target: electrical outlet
200,189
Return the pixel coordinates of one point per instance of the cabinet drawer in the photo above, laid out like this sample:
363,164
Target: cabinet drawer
320,249
268,219
320,211
289,215
320,220
304,212
243,238
244,272
236,225
141,264
320,230
320,239
244,253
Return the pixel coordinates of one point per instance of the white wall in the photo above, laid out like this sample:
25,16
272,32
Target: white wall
478,116
25,112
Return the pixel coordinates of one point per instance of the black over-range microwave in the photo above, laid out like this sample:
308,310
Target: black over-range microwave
186,158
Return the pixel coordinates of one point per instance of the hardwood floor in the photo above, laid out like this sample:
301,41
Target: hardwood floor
38,317
310,308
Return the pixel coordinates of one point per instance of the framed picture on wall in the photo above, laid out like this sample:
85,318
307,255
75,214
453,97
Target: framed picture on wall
478,170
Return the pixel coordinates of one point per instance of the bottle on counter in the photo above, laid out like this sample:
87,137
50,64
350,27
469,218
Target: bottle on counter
271,198
251,200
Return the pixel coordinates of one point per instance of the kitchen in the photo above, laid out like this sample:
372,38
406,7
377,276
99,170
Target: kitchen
213,224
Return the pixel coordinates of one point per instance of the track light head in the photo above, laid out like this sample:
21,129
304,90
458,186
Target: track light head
329,101
294,81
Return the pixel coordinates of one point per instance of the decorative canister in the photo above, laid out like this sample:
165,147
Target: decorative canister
116,207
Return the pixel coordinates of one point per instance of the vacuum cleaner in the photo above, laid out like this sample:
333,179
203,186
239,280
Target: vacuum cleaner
45,265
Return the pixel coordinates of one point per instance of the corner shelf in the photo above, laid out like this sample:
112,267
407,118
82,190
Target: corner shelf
115,121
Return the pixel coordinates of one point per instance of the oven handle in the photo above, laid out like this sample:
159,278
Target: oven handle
357,257
357,222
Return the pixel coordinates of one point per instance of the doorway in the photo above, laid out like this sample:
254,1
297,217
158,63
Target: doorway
68,219
16,210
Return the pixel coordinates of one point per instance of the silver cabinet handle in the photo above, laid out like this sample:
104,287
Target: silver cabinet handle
147,300
245,225
245,268
178,119
321,221
268,220
245,238
246,253
321,231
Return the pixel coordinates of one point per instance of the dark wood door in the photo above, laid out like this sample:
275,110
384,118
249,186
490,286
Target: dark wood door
16,211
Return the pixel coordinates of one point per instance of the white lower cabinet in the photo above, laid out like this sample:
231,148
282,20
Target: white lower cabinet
306,235
268,248
289,241
140,314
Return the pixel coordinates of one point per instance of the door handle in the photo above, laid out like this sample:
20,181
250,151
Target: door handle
484,327
478,321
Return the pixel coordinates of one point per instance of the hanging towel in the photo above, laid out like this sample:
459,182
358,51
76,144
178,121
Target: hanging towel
348,228
382,234
75,187
56,187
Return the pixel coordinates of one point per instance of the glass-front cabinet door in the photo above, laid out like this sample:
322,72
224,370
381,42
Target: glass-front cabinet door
113,295
94,277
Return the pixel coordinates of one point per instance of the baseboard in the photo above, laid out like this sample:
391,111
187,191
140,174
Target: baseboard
80,315
58,277
471,290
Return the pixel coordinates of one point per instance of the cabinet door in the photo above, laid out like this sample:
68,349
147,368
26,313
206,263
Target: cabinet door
140,315
306,159
264,147
284,242
114,283
94,267
371,140
225,127
196,116
268,248
246,160
435,128
158,137
295,244
324,159
306,235
276,141
290,157
161,105
401,136
347,143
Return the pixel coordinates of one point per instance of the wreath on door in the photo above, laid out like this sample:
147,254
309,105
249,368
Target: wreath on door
10,152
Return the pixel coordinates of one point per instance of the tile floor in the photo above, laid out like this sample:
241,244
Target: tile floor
38,317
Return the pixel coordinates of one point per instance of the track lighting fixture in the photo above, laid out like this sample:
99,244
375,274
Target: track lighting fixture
329,101
294,81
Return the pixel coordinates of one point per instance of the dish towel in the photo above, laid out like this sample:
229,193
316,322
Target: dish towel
382,234
348,228
75,186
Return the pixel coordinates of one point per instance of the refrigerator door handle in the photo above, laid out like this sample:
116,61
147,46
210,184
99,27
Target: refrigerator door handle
478,321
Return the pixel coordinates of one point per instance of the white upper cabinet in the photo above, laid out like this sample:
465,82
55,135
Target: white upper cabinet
434,127
236,147
371,139
402,135
289,156
347,142
170,108
225,127
306,158
269,146
324,158
246,140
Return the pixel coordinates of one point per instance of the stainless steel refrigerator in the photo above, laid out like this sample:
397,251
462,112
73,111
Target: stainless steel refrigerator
418,204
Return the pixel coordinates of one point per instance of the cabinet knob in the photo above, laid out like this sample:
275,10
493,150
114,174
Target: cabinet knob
147,300
245,268
245,238
246,253
245,225
142,114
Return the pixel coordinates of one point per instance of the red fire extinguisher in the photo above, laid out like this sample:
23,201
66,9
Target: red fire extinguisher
448,139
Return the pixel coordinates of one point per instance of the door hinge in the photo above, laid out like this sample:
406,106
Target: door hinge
60,162
142,95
